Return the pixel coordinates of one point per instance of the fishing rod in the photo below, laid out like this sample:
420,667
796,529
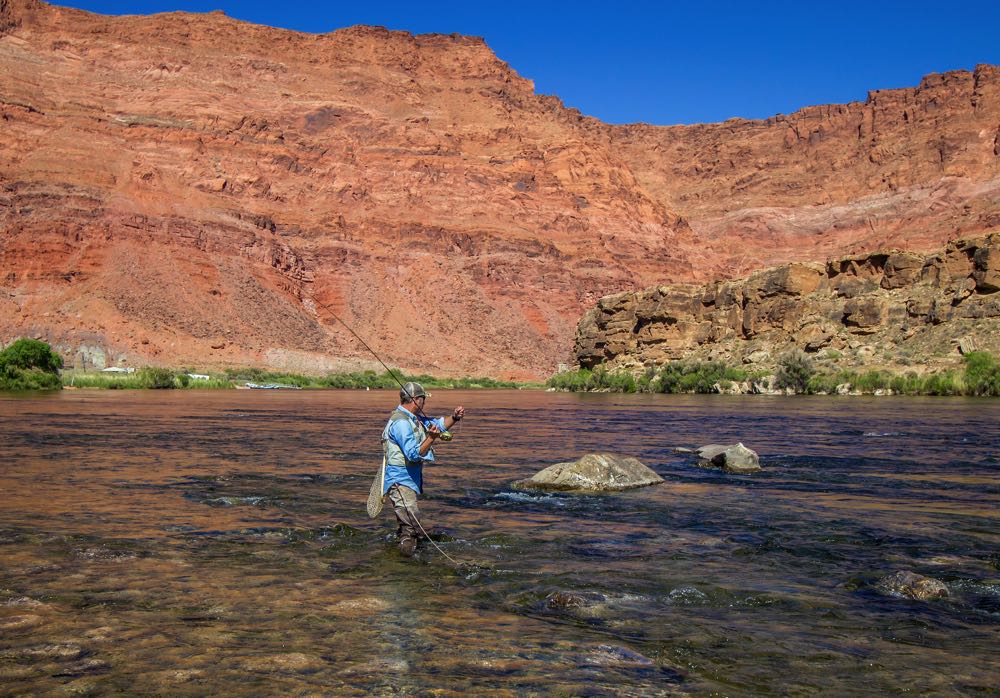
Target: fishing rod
444,434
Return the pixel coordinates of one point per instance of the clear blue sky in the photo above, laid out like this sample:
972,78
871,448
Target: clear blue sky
671,62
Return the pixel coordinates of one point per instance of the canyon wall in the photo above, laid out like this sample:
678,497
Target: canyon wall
186,189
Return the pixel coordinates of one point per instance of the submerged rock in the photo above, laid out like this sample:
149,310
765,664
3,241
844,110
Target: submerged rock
595,472
616,655
59,651
294,662
565,600
911,585
735,458
591,605
22,622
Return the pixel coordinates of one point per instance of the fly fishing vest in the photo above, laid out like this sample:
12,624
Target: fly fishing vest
393,453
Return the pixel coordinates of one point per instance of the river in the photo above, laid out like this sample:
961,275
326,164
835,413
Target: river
216,542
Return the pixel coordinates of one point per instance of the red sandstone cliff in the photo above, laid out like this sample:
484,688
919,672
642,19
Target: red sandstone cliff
177,189
908,168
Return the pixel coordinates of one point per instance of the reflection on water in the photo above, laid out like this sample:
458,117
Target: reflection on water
194,543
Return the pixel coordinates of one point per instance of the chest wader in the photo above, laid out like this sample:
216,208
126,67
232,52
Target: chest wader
404,499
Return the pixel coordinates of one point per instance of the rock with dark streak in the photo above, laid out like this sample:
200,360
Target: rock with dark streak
735,458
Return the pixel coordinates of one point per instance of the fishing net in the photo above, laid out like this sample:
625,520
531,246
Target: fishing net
375,495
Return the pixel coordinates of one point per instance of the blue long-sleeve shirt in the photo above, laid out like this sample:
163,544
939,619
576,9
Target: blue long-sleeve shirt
402,433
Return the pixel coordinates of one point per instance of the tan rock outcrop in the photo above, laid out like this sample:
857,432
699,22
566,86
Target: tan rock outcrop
913,309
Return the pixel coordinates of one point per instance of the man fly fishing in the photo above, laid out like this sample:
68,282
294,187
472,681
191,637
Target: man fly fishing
406,446
407,441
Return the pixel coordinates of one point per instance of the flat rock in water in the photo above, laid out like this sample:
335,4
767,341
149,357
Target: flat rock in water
734,458
595,472
911,585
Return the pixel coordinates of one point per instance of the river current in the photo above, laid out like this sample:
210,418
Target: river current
207,543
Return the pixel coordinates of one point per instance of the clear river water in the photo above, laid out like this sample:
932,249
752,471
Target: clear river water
216,543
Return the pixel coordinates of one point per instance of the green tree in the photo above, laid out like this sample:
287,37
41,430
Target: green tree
27,354
28,364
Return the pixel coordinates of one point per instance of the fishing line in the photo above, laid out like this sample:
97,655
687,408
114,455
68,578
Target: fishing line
413,517
357,337
336,317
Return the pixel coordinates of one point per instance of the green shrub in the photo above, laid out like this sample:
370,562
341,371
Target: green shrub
13,378
944,383
794,371
827,382
584,380
573,381
982,374
907,384
870,381
697,377
156,378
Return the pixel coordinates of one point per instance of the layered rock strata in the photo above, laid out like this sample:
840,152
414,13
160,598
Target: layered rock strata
910,168
190,189
891,308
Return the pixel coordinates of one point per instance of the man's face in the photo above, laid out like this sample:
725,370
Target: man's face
419,401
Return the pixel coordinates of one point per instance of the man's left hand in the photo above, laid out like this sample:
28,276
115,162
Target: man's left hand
458,413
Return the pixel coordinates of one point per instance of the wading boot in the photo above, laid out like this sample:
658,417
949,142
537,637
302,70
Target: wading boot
407,546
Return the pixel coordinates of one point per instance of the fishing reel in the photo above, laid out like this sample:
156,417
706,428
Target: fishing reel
443,435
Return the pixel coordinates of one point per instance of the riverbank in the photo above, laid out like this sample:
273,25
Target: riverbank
189,379
797,374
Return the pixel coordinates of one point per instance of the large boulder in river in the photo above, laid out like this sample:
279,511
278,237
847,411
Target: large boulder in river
595,472
734,458
910,585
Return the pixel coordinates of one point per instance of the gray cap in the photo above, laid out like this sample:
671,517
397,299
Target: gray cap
411,391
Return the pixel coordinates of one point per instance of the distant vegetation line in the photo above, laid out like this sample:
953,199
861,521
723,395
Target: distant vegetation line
232,378
795,374
29,364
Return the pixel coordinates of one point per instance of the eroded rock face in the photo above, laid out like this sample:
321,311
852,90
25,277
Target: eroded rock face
912,586
190,189
595,472
886,307
764,188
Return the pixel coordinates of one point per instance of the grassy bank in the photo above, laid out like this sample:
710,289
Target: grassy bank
979,376
160,378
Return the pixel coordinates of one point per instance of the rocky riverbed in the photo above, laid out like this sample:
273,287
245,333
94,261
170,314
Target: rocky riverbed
217,543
